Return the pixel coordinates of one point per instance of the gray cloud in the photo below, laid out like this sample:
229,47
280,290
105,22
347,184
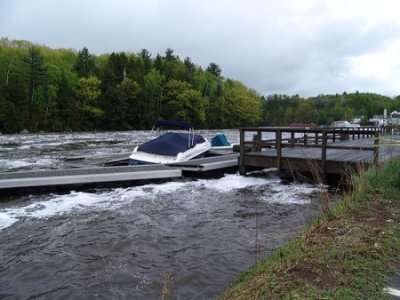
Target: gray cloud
301,47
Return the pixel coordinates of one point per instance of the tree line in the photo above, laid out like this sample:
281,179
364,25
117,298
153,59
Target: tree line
44,89
282,110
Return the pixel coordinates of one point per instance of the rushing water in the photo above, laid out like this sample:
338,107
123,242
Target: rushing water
188,238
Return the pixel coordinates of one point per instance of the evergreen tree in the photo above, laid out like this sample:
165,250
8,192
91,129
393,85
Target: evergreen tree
35,75
84,65
213,68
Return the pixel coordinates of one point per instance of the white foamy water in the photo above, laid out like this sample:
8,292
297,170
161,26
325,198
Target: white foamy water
200,231
290,194
28,163
76,202
231,181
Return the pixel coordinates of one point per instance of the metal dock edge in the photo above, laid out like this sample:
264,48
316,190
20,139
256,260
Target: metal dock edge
85,176
112,175
209,163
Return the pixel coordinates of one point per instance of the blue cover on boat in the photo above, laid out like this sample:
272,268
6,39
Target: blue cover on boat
219,140
171,143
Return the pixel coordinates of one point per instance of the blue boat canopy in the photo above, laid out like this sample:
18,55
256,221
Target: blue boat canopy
219,140
171,143
172,123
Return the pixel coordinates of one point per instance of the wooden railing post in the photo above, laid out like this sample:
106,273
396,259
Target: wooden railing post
257,144
292,139
376,148
259,141
323,150
242,168
278,138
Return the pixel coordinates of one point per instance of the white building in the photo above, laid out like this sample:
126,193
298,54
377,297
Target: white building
394,118
378,120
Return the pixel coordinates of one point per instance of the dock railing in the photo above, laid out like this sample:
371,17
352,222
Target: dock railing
251,140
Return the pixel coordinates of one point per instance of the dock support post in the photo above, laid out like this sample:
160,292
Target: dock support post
257,142
292,139
242,168
278,137
376,148
323,150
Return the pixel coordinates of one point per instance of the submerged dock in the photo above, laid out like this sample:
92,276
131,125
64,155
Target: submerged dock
99,175
85,176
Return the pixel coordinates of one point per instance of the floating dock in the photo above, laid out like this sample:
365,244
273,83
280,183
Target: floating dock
209,163
114,175
85,176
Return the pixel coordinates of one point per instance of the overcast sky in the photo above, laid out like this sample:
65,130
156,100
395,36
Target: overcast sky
304,47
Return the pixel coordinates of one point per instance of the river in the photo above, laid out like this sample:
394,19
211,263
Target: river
186,239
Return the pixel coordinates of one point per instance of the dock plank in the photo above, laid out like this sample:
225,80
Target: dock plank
91,175
209,163
85,176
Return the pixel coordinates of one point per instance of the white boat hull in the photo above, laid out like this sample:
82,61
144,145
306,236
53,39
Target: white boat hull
139,157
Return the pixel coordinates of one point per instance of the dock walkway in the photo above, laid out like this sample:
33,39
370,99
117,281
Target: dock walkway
333,151
103,175
85,176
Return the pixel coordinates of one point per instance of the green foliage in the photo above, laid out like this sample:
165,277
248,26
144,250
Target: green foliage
84,65
87,91
243,105
63,89
324,109
35,75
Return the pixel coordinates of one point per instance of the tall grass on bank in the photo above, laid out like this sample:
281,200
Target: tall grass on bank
345,254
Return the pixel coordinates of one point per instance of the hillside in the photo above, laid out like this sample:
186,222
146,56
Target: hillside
63,89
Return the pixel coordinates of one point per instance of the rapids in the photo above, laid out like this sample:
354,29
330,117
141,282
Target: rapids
187,238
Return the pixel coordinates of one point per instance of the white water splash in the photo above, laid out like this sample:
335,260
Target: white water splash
290,194
32,163
76,202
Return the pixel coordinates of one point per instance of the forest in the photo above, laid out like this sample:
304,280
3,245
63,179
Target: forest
54,90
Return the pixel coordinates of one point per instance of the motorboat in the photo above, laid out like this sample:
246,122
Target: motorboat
344,124
221,146
220,142
170,147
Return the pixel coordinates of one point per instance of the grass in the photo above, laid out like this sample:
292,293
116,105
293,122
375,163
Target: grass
345,254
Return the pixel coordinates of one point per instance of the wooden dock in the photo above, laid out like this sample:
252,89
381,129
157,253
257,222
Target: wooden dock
332,151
